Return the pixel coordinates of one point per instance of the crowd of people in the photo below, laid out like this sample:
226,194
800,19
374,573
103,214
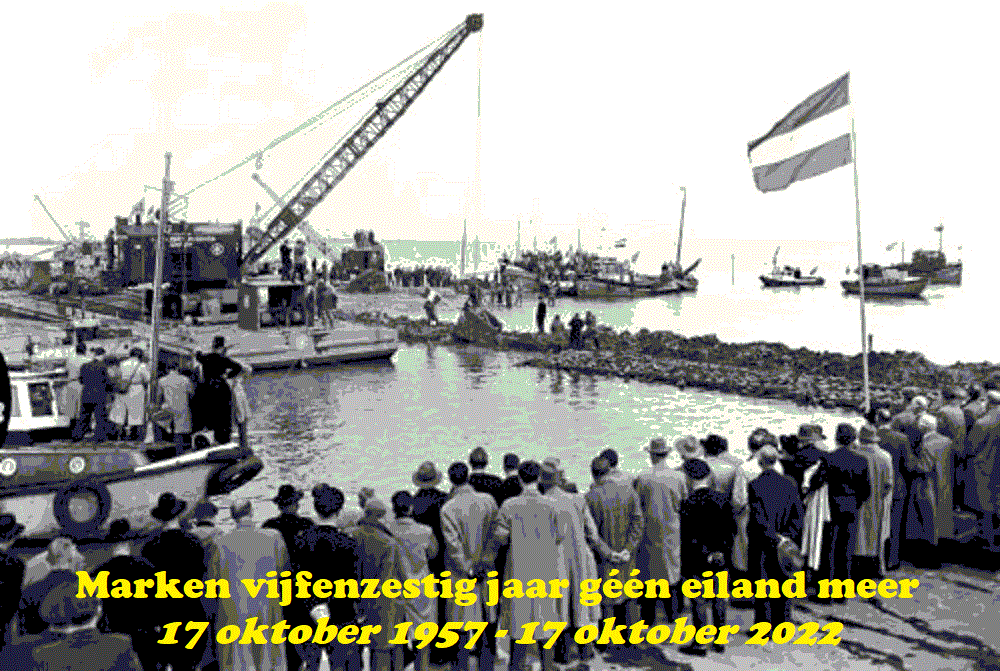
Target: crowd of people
107,396
854,508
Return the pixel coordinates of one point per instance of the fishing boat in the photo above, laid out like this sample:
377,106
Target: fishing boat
789,276
881,281
931,263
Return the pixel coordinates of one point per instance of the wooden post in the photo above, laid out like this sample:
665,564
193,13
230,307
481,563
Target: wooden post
157,306
732,263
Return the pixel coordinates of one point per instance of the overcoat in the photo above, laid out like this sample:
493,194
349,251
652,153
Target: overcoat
248,553
920,502
529,524
175,393
984,443
128,408
942,453
467,522
661,491
873,515
618,514
745,474
381,559
417,545
582,541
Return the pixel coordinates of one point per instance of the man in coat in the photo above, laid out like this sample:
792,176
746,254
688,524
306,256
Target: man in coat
480,480
381,560
745,474
920,533
131,617
617,512
661,491
775,518
511,485
216,370
76,644
467,521
707,530
528,524
578,550
93,397
427,504
846,475
984,444
73,391
288,523
943,455
182,555
174,393
246,553
328,553
874,514
951,424
897,446
11,575
417,547
616,474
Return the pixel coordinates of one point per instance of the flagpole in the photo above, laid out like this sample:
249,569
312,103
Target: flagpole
861,274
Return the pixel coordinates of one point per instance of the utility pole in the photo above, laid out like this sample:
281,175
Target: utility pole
157,306
680,231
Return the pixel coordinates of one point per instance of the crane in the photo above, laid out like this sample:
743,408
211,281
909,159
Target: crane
64,234
385,113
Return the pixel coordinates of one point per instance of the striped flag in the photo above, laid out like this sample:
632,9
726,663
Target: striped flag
814,138
891,247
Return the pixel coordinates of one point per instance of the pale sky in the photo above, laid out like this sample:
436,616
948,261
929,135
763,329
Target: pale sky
584,107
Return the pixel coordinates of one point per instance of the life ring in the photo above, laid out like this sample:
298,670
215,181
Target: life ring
233,477
81,509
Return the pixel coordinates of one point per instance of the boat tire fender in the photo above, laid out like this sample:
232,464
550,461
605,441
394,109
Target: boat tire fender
76,528
230,478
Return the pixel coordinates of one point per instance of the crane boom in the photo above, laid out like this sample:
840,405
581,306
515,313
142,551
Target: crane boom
385,113
68,238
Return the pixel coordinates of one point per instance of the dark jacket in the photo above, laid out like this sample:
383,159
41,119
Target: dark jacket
182,555
215,366
288,525
329,553
29,621
898,447
846,474
798,463
11,576
708,525
87,650
775,510
427,510
125,616
94,379
511,488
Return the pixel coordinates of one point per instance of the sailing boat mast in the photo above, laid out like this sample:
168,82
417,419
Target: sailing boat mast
940,231
680,231
156,309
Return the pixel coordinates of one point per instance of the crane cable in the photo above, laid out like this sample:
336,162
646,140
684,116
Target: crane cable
317,117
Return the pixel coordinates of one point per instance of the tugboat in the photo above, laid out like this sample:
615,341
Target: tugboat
882,282
933,264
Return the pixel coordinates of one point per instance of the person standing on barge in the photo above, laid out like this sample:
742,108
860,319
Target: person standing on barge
216,369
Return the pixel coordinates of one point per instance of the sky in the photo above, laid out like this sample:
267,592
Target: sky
587,113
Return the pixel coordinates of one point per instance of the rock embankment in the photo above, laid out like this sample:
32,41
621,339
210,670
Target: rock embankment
758,369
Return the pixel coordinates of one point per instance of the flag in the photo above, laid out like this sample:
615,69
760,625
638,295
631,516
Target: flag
939,228
138,208
814,138
635,256
891,247
621,243
553,240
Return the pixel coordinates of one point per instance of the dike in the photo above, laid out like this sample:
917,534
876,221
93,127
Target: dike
755,370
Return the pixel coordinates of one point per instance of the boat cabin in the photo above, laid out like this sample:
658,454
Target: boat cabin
270,301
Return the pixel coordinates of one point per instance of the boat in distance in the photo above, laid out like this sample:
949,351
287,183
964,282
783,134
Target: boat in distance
887,282
791,277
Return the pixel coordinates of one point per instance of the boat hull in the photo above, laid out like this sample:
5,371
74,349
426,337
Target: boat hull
809,281
909,288
66,489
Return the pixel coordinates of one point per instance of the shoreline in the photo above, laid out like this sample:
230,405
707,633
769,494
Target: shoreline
760,370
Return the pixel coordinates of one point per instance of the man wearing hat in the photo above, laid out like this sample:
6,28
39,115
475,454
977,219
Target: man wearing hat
618,514
661,491
182,555
76,644
417,546
62,566
984,444
951,424
688,447
95,386
289,523
11,573
174,394
329,553
349,517
776,517
216,369
381,560
847,479
796,464
241,554
707,527
480,480
874,514
128,616
203,521
73,391
427,504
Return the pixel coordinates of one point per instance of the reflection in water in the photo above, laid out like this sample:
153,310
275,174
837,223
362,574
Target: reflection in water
373,424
